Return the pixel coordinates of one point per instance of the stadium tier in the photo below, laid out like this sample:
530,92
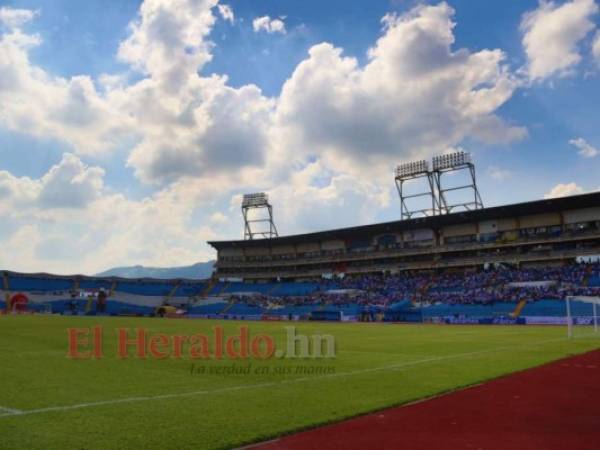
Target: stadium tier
78,294
546,231
498,294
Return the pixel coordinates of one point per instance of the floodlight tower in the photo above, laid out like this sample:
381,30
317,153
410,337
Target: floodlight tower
412,171
454,162
258,201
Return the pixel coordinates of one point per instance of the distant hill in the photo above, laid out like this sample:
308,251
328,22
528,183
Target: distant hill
196,271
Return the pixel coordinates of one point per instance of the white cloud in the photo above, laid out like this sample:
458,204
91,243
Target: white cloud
181,124
66,221
265,23
71,184
316,197
585,150
414,97
564,190
218,218
189,125
596,47
552,34
214,128
226,12
70,110
498,173
68,184
14,18
167,41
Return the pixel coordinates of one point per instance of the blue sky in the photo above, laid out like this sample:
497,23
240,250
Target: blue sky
128,130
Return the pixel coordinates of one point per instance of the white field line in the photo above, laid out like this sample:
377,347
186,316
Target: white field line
367,352
7,412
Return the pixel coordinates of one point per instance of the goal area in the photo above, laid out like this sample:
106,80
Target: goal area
582,314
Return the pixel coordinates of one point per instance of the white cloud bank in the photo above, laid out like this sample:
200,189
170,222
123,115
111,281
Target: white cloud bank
552,35
414,97
320,147
68,184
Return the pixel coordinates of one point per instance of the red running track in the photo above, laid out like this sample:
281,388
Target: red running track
555,406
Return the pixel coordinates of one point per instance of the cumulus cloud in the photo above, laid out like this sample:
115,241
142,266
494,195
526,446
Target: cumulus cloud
167,41
585,150
415,96
564,190
181,124
265,23
226,12
70,110
66,221
316,197
71,184
552,35
68,184
188,124
216,128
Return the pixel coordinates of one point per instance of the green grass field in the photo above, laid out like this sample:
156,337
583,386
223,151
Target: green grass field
115,403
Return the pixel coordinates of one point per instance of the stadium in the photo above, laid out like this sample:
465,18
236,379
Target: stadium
423,307
299,225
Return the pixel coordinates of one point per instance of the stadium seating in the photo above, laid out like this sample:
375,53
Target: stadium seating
243,309
539,292
294,289
145,288
39,284
594,281
91,283
206,309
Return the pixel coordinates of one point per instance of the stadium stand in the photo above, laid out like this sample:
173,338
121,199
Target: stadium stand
552,231
500,292
510,263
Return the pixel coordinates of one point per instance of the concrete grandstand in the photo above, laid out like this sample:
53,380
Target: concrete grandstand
553,231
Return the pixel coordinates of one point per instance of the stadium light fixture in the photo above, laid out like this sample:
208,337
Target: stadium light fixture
451,160
412,171
412,168
254,200
258,201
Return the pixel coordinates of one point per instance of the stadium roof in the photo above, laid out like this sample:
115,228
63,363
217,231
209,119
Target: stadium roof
497,212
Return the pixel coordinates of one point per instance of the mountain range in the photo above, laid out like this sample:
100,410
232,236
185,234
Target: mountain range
198,271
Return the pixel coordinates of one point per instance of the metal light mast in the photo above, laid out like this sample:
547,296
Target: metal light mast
454,162
258,202
437,192
412,171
